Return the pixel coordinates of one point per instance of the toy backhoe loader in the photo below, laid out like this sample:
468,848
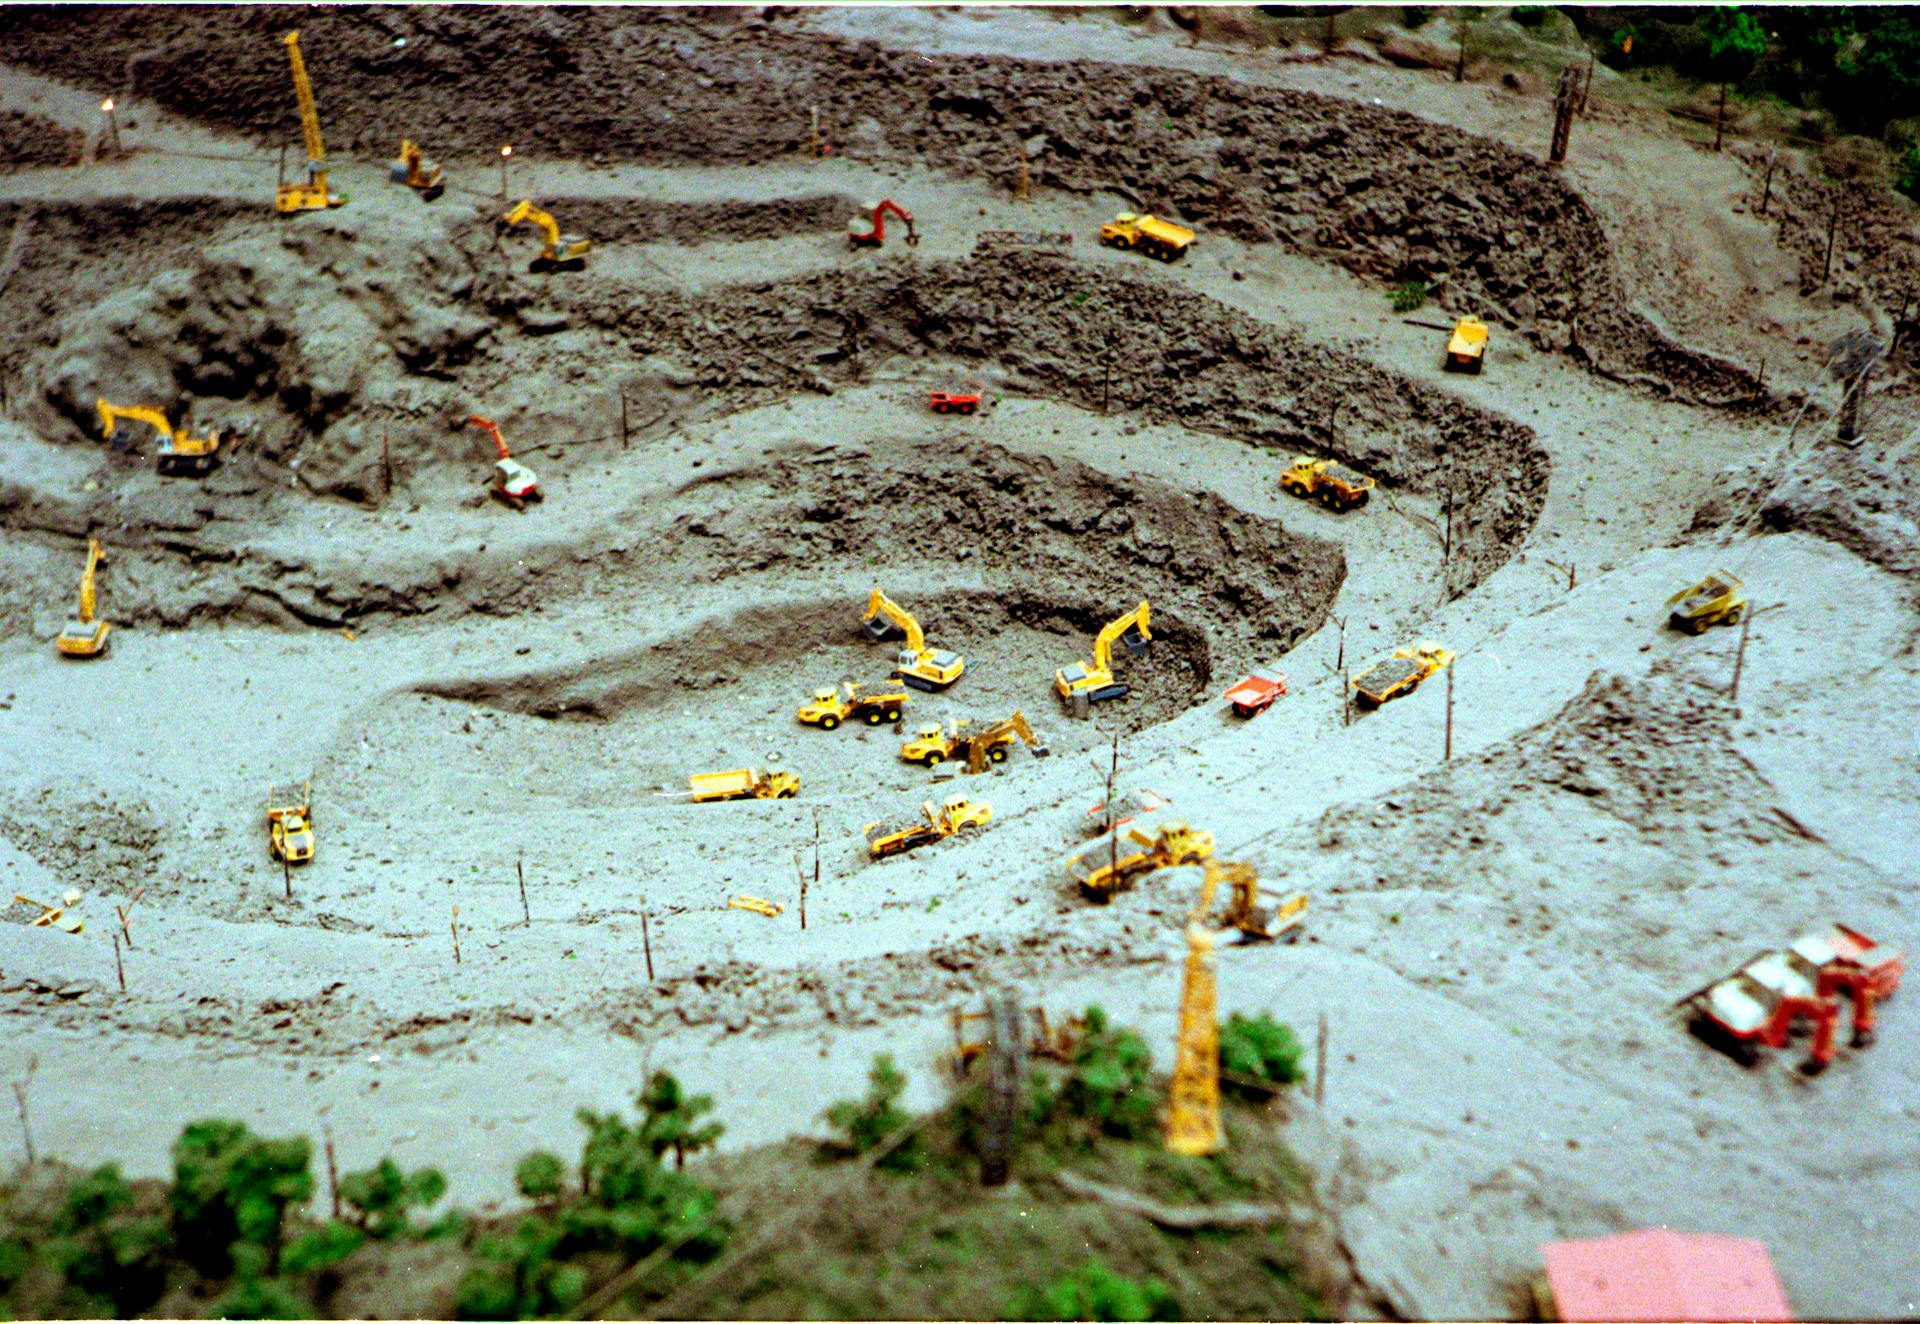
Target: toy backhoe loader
1467,346
290,823
1147,234
1759,1005
178,451
1107,868
311,195
864,233
873,704
84,636
416,172
1401,674
1254,912
1715,600
1086,683
511,481
980,743
919,666
558,252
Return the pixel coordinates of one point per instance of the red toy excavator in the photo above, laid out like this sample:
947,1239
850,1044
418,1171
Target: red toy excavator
1758,1005
512,481
858,236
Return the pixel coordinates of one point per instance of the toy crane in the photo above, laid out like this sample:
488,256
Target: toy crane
178,449
1086,683
1193,1099
919,666
85,636
311,195
511,481
858,236
558,252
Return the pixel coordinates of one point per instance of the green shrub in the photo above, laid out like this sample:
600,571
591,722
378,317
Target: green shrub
103,1248
1110,1082
321,1247
869,1122
256,1294
1530,16
670,1119
381,1196
231,1187
1093,1291
1261,1047
539,1176
1407,295
521,1276
1907,172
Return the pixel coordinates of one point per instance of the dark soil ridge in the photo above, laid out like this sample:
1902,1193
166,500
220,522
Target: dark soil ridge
28,142
1383,193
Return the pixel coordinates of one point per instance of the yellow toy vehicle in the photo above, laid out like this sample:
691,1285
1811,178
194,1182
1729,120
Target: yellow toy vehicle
922,667
1329,482
1467,347
558,252
85,635
178,450
416,172
290,823
1149,234
1106,868
1715,600
743,784
1084,684
980,743
832,706
1400,674
955,814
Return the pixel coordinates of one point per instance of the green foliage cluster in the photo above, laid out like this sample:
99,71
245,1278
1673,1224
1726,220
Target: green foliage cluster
107,1251
622,1198
870,1122
1094,1291
1110,1082
1407,295
1262,1048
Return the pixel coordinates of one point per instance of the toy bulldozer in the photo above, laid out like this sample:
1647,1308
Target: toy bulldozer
1715,600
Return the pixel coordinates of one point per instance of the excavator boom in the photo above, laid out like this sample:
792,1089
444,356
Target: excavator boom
489,426
86,581
1139,618
880,605
110,415
526,211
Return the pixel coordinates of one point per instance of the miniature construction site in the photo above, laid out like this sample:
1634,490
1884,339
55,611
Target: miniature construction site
806,662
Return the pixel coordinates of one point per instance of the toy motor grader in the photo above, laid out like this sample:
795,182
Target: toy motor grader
1715,600
1329,482
1148,234
954,814
980,743
873,704
1400,674
1109,867
290,823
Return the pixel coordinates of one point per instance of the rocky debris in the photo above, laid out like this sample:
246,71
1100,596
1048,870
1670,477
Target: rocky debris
1865,497
28,142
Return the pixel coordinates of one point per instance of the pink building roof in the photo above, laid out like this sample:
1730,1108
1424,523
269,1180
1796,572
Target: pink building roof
1658,1274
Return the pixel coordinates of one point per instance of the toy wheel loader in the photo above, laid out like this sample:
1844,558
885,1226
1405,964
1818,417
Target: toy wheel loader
979,743
416,172
1715,600
1329,482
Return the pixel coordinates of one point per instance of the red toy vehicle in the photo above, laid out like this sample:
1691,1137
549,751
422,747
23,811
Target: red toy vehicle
951,402
1758,1005
1255,695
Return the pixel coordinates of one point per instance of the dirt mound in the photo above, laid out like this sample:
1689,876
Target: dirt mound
1384,193
611,220
1866,498
28,142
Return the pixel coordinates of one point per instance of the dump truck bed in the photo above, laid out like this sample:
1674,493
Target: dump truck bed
1382,677
712,785
1165,231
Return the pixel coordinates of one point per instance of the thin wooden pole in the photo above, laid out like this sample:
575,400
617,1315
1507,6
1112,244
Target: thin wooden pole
1346,701
646,941
1447,757
1320,1064
333,1174
1720,121
1833,224
1766,189
286,873
526,916
119,970
20,1101
456,933
1740,655
623,418
386,465
1460,61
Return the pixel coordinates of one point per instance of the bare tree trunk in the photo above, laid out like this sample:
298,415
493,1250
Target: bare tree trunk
1766,189
1833,224
1720,121
1006,1073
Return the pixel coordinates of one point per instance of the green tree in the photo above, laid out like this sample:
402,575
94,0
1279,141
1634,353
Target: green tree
671,1119
381,1197
231,1187
539,1176
1735,41
1262,1048
1094,1291
1111,1079
105,1248
871,1121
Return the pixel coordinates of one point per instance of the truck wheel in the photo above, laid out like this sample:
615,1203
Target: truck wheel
789,793
934,759
894,714
875,718
941,407
829,722
998,754
966,409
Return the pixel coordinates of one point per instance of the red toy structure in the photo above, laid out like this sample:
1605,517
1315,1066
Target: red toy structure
1255,695
1760,1003
859,238
1657,1274
953,402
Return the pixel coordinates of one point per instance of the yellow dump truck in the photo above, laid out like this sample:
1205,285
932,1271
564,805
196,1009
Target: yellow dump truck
1467,346
1148,234
1110,867
290,823
1329,482
936,822
1400,674
831,706
1715,600
743,784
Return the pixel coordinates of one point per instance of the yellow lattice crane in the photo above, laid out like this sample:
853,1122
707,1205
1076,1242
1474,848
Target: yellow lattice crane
1193,1101
311,195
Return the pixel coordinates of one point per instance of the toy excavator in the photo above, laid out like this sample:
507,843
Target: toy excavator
919,666
858,236
1256,913
511,481
558,252
1086,683
311,195
85,636
416,172
178,451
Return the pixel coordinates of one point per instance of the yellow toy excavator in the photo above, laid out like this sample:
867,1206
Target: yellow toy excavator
416,172
311,195
177,450
84,636
1086,683
919,666
558,252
